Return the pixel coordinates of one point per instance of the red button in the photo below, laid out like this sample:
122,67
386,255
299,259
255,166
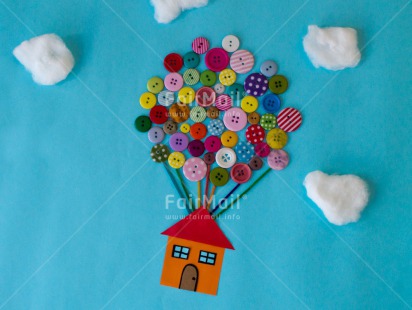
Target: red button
198,131
205,96
158,114
262,149
173,62
217,59
289,119
213,144
241,173
255,134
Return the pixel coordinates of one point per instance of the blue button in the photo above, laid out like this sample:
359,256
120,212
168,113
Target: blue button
244,151
271,103
191,60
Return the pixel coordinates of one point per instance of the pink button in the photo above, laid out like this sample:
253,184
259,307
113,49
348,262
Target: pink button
235,119
278,159
205,96
255,134
242,61
216,59
213,144
241,173
173,81
262,149
194,169
200,45
223,102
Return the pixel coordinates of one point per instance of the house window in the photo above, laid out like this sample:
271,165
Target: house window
207,257
180,252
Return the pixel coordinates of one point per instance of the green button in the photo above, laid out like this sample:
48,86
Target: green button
278,84
191,60
268,121
143,123
198,114
191,76
208,78
219,176
155,85
160,153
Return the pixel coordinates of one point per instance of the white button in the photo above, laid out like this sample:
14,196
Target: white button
219,88
230,43
225,157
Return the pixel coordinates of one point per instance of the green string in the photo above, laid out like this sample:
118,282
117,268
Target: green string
185,189
243,193
179,190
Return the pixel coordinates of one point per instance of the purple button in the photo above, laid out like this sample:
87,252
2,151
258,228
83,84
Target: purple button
209,158
278,159
178,142
156,135
196,148
216,59
256,84
212,144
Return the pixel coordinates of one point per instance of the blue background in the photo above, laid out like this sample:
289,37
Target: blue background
81,208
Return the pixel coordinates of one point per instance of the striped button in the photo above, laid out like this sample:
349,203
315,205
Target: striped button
200,45
223,102
289,119
242,61
166,98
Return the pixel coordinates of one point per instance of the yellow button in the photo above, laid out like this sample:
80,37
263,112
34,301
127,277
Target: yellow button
186,95
185,128
176,160
229,138
155,85
249,104
227,77
277,138
147,100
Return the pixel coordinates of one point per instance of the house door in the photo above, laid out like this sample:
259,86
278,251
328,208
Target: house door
189,278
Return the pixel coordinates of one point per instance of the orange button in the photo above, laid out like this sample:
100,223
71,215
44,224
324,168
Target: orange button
198,131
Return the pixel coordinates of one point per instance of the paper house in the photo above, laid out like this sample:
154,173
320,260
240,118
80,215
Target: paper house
194,253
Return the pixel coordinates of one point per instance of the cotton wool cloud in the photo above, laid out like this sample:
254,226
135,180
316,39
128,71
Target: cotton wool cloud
342,198
168,10
333,48
46,57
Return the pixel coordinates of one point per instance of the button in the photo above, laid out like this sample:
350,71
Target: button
227,77
249,104
229,138
194,169
235,119
271,103
236,92
278,84
200,45
166,98
173,81
256,163
208,78
219,176
158,114
186,95
179,112
268,121
225,157
223,102
170,127
212,144
198,114
242,61
256,84
269,68
209,158
178,142
278,159
196,148
191,60
230,43
277,138
219,88
159,153
289,119
173,62
216,127
143,123
205,96
185,128
212,112
156,135
262,149
217,59
198,131
255,134
191,76
155,85
244,151
253,118
240,173
176,160
147,100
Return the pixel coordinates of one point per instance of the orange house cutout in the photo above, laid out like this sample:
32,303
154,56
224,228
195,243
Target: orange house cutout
194,253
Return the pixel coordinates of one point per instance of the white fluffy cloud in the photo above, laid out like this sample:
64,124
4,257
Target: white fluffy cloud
341,197
46,57
334,48
168,10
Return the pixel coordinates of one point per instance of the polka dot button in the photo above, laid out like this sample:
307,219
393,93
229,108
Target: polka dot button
235,119
212,144
198,131
198,114
229,138
217,59
179,112
209,158
155,135
200,45
230,43
159,153
196,148
176,160
205,96
173,81
225,158
227,77
253,118
242,61
170,127
277,138
262,149
219,88
216,127
178,142
191,60
278,159
185,128
186,95
249,104
244,151
256,163
208,78
143,123
158,114
278,84
191,76
289,119
219,176
155,85
236,92
194,169
166,98
269,68
223,102
268,121
173,62
271,103
240,173
147,100
212,113
256,84
255,134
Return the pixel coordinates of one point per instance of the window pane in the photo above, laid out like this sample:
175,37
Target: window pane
202,259
177,248
210,261
212,255
185,250
184,256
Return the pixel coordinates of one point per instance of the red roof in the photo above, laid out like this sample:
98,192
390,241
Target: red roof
199,226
